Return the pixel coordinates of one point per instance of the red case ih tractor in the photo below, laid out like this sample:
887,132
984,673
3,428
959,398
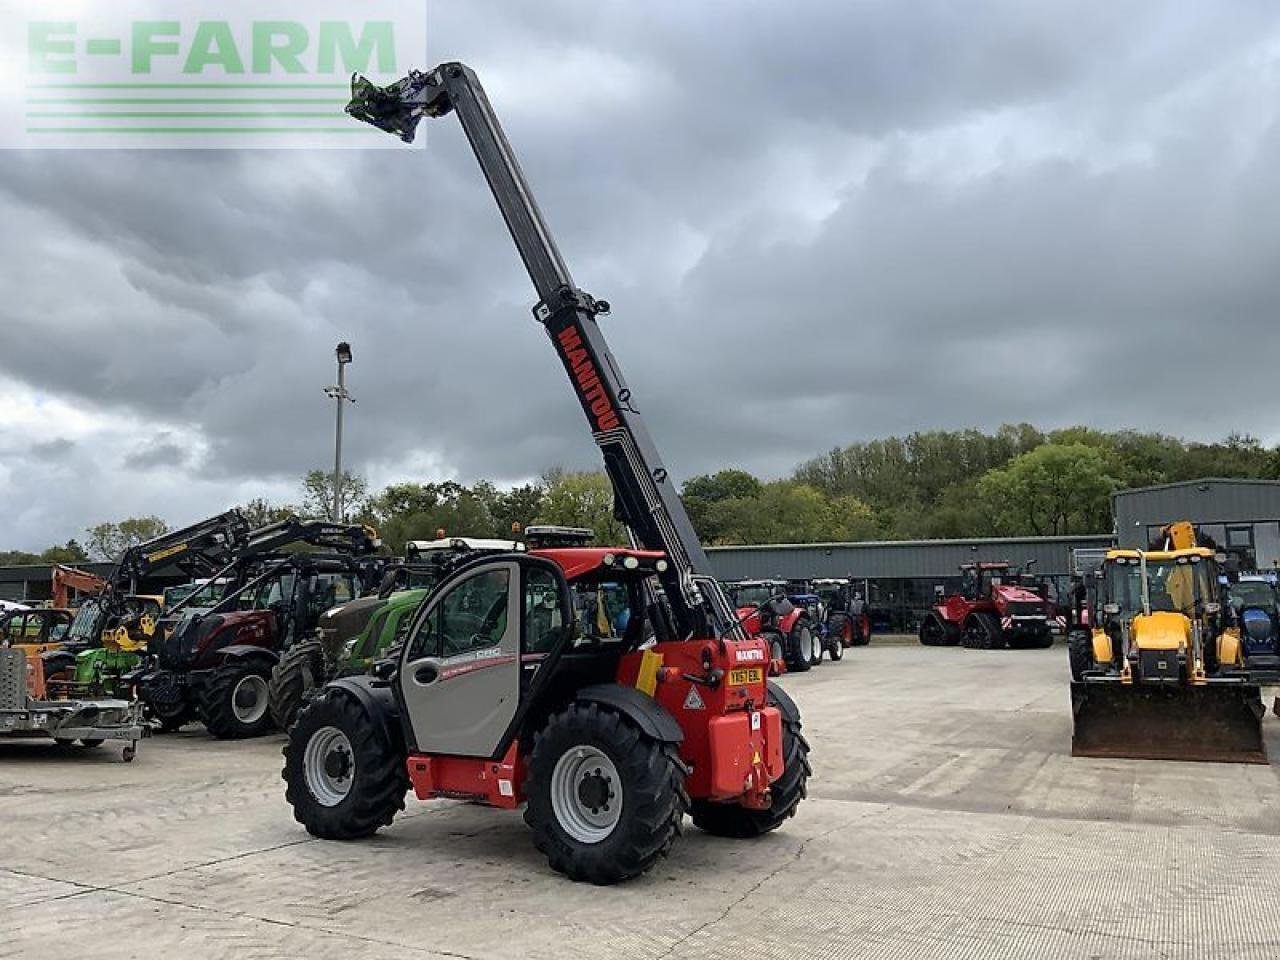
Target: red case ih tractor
991,611
501,694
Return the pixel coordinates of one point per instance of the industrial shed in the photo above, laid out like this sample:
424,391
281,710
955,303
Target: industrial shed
1239,517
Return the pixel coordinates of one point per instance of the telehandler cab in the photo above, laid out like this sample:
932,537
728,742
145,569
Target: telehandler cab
501,695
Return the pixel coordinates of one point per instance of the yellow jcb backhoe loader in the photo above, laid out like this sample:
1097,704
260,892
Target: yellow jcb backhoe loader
1152,666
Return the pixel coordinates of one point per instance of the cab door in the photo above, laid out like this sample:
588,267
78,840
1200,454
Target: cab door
460,673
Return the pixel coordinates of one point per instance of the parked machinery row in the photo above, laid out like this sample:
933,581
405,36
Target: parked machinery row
802,620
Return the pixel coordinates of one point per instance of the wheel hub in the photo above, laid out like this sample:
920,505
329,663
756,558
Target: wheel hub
586,794
337,763
329,766
595,790
249,699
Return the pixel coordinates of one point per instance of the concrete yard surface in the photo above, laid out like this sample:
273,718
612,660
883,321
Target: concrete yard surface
946,819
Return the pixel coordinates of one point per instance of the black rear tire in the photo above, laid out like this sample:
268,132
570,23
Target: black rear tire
736,821
224,705
294,680
653,798
798,644
982,632
861,632
379,777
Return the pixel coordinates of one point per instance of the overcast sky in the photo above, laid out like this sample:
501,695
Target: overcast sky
817,222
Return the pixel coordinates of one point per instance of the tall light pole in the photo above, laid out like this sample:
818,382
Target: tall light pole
339,393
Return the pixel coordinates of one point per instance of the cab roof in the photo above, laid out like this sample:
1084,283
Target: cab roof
1202,552
582,562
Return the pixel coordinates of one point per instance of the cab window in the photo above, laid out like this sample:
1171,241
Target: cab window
543,622
471,616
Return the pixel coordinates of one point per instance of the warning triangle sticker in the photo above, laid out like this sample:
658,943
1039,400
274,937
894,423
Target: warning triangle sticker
693,701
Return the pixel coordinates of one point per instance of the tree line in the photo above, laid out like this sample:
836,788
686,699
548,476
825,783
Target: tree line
1015,481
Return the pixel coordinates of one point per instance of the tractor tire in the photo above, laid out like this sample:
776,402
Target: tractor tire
294,680
982,632
576,759
234,703
798,648
777,647
171,722
342,777
817,646
1079,653
835,648
840,626
935,632
733,820
861,632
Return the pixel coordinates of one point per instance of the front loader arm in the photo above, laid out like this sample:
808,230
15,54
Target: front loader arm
645,497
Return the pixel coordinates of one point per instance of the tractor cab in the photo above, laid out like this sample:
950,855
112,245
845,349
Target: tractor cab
1256,610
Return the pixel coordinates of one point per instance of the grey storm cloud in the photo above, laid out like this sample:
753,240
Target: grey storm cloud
817,222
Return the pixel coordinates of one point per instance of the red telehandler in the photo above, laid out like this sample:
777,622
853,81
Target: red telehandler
500,694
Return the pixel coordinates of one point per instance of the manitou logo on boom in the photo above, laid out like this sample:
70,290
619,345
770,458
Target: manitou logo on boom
587,380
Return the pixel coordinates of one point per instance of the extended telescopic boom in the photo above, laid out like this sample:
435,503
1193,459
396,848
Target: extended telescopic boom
645,498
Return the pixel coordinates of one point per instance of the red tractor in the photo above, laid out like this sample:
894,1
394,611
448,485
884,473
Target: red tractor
992,610
609,729
765,611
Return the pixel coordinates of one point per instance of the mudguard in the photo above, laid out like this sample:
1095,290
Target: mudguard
379,702
649,715
242,651
782,700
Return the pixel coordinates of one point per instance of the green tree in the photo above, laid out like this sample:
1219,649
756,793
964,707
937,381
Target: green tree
582,499
507,508
788,512
260,512
701,494
1056,489
419,511
69,552
106,541
317,494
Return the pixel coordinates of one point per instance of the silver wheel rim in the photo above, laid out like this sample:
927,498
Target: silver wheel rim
815,643
775,650
586,794
249,699
329,766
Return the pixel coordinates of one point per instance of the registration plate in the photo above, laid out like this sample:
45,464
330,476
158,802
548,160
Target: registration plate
744,675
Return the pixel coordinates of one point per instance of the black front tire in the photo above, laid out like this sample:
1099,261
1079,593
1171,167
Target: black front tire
736,821
294,680
1079,653
379,780
654,800
223,716
835,649
798,644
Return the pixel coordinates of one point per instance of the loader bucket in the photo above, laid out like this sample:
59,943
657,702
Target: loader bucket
1217,722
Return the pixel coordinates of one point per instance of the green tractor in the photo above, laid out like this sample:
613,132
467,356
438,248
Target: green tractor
350,638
